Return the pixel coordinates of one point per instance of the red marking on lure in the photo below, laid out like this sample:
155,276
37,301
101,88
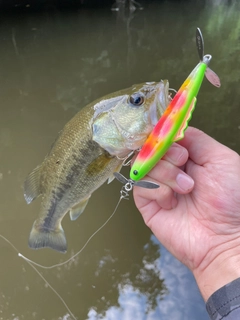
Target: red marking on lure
174,121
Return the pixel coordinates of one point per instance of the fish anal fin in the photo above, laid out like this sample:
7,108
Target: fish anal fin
43,237
112,177
188,117
32,185
78,209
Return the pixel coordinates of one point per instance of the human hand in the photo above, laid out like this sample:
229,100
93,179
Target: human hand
195,213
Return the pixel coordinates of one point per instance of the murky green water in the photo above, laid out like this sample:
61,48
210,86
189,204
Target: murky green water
51,65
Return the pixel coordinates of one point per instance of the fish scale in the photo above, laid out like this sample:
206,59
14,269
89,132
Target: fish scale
85,155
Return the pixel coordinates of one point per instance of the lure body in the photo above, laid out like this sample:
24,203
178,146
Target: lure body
172,124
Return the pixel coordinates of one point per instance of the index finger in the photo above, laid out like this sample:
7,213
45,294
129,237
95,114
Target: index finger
201,147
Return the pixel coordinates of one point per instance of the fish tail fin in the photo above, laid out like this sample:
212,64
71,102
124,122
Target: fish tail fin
43,237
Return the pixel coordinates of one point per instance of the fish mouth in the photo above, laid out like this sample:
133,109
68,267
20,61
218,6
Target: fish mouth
160,103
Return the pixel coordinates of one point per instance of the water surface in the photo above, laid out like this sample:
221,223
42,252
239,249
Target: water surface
52,64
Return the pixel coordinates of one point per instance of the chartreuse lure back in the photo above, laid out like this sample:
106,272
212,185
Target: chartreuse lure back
174,121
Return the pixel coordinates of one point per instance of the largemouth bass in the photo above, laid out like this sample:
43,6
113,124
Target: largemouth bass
89,149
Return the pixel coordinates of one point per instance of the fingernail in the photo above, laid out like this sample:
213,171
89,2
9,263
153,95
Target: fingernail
184,182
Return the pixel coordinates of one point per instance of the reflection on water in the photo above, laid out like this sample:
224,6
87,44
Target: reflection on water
121,5
54,63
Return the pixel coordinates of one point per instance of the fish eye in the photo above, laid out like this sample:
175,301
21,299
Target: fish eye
136,99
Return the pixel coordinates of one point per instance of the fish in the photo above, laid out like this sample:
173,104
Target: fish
91,147
174,121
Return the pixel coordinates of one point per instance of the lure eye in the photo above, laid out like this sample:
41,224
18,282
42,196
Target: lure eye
135,172
136,99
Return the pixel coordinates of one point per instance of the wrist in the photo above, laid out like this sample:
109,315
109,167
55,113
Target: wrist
223,268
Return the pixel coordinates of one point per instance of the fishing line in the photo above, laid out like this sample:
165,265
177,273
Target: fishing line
123,195
41,276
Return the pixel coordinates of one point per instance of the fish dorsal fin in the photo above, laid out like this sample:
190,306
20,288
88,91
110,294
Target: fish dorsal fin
78,209
184,125
32,185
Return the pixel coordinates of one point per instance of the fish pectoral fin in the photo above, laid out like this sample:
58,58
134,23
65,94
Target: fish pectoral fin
32,185
43,237
112,177
78,209
184,125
